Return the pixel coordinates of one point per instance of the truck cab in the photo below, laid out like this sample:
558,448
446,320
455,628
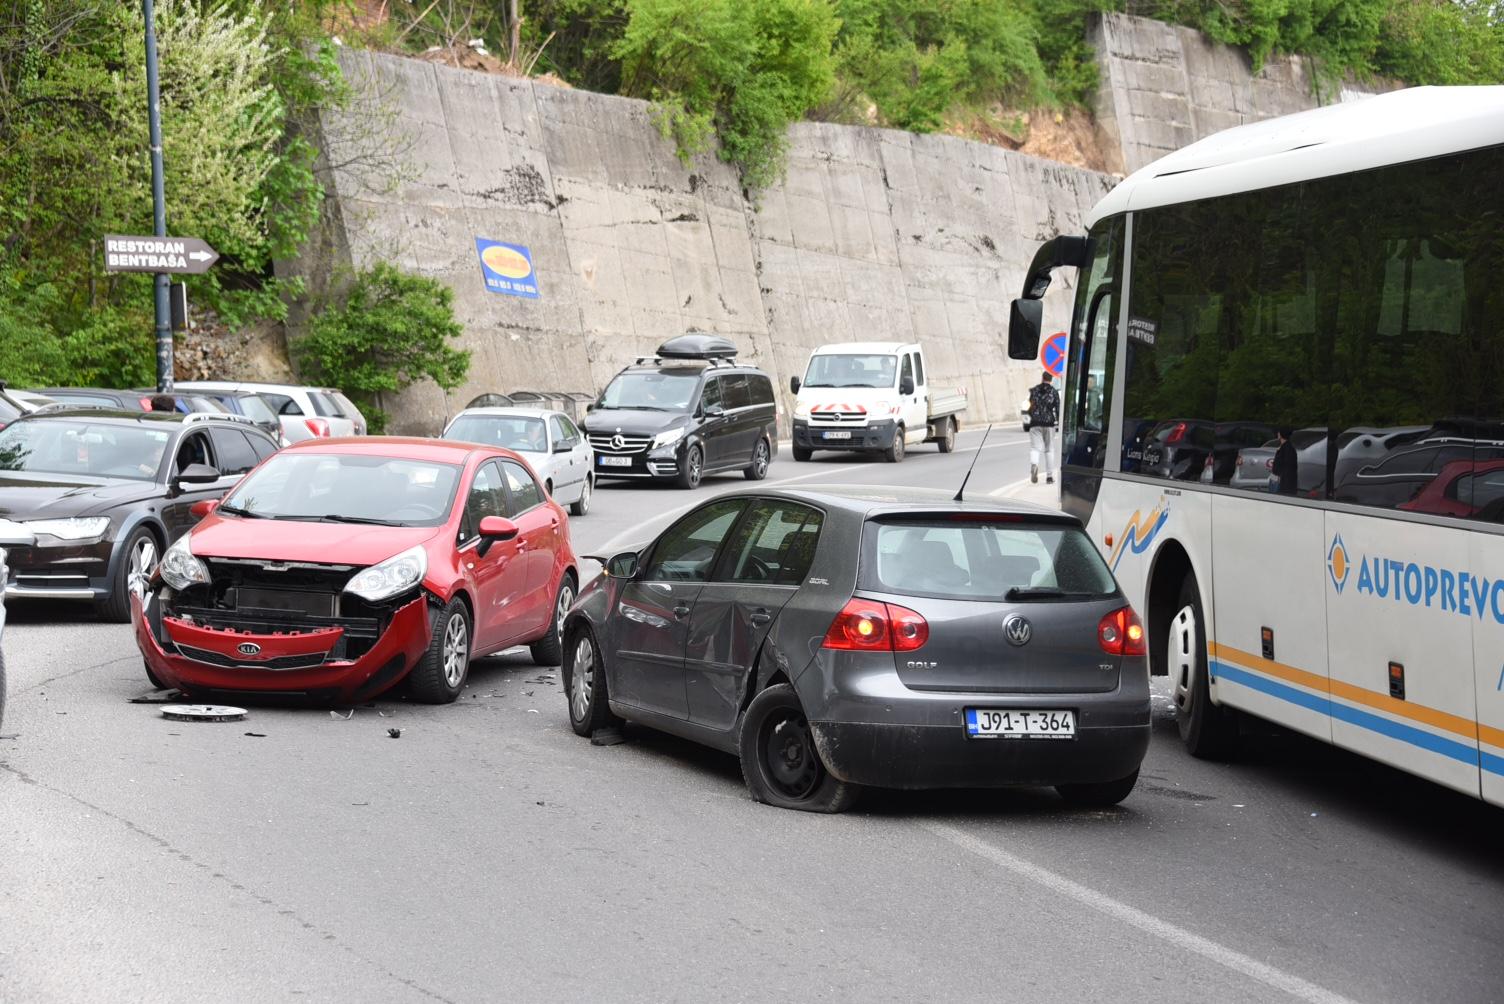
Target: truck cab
872,396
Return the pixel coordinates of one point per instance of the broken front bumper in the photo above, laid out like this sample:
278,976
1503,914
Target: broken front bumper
196,658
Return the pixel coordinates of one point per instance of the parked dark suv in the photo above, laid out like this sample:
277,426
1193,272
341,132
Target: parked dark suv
687,412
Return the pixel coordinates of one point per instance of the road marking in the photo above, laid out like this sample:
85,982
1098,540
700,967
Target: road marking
1173,934
1006,489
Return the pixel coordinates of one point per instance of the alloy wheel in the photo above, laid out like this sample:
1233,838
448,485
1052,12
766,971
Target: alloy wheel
566,600
456,649
760,458
1180,658
142,560
584,503
790,763
694,464
582,678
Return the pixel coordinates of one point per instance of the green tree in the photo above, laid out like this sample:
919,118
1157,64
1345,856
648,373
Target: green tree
393,330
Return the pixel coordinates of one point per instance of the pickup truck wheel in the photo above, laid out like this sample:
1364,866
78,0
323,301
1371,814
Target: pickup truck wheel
947,437
802,454
894,453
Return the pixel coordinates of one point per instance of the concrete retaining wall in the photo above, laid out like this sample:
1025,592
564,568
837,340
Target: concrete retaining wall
874,234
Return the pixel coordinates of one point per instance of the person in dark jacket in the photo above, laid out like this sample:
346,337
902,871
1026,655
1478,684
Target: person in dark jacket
1286,470
1044,416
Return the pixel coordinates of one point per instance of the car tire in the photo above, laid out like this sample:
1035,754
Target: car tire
1209,732
156,681
779,761
693,468
1102,795
584,675
762,458
947,439
441,672
138,556
802,454
894,453
581,505
2,689
549,650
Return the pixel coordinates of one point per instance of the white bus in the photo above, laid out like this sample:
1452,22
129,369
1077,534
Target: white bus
1334,278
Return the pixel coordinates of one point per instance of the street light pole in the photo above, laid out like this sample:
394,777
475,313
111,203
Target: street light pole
158,201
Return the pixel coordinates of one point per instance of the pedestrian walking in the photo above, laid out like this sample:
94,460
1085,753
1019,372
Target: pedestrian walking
1044,416
1286,466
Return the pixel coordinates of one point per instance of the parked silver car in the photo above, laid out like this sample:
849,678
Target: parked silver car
548,440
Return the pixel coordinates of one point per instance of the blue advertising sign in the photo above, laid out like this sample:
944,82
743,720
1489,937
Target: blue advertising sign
507,268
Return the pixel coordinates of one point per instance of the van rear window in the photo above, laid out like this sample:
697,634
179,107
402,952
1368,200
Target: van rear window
982,559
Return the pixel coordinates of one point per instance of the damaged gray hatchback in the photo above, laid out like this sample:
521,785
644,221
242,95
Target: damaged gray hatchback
836,638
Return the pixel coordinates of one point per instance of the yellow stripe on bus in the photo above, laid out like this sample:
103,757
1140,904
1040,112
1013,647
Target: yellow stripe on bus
1455,724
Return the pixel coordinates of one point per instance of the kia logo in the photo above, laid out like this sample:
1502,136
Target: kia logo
1018,630
248,648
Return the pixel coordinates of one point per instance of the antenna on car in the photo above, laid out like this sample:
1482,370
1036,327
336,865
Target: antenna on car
974,459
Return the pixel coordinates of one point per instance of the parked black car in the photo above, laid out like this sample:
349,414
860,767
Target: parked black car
835,638
128,400
106,492
687,412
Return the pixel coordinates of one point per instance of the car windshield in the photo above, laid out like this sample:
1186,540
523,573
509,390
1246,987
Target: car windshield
652,390
256,409
340,487
851,371
982,559
510,432
86,449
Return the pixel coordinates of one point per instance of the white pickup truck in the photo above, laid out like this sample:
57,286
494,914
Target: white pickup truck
871,396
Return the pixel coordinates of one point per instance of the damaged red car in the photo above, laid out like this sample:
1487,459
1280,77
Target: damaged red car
339,569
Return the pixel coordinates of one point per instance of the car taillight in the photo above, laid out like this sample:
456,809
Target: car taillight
318,426
1177,433
1121,633
871,626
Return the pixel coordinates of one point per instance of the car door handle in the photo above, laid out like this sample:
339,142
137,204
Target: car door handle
761,617
681,611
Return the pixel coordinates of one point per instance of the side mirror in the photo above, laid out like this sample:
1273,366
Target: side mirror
203,507
497,528
564,445
906,386
592,405
714,411
198,474
794,384
623,565
1024,323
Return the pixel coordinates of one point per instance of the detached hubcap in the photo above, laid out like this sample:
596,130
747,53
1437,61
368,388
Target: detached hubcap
456,648
143,558
582,679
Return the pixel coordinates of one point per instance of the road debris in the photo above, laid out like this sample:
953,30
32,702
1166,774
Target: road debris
394,733
202,713
343,718
607,737
257,735
157,697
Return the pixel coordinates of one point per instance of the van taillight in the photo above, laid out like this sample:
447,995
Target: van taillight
318,426
870,626
1121,633
1177,433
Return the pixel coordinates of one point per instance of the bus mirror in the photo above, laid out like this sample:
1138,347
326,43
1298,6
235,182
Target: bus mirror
1024,322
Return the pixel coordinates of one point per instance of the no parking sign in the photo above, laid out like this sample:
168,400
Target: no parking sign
1052,354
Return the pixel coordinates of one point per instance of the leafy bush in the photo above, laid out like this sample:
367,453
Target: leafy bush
392,331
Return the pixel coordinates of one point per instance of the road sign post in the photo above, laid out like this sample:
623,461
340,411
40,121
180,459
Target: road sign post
158,200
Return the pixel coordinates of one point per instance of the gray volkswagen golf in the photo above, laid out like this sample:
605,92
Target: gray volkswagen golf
836,638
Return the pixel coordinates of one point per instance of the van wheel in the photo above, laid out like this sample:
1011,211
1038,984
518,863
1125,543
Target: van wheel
1209,732
802,454
693,468
761,458
1103,795
894,453
779,761
947,439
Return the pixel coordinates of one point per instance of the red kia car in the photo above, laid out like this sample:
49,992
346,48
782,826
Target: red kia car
339,568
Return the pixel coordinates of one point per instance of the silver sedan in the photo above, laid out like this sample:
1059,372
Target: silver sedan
549,441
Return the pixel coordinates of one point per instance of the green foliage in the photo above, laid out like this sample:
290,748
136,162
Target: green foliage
739,70
393,330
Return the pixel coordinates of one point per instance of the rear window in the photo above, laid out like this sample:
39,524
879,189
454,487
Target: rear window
323,405
981,559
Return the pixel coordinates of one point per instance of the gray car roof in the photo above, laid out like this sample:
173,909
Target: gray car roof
871,500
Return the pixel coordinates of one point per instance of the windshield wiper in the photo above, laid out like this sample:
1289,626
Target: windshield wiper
819,385
367,520
235,510
1034,593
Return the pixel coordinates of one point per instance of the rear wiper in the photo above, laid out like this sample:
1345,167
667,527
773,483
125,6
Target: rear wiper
1034,593
369,521
235,510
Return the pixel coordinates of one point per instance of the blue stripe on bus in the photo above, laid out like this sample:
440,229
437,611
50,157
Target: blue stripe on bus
1469,755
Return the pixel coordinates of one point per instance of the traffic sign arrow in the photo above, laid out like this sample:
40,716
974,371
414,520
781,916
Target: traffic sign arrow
173,255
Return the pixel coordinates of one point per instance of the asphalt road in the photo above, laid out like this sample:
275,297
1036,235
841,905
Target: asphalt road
490,854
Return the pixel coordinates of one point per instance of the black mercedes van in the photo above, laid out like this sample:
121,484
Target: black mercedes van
682,414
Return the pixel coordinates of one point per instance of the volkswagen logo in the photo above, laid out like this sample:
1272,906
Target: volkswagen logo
248,648
1018,630
618,441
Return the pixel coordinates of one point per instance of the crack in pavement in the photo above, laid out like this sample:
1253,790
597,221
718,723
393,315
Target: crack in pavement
75,672
328,936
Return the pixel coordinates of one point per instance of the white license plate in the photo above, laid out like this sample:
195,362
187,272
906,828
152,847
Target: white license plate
838,435
616,461
996,723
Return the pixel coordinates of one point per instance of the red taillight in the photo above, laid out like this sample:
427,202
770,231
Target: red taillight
318,426
1121,633
1177,433
870,626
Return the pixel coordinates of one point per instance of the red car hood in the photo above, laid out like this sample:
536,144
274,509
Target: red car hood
292,540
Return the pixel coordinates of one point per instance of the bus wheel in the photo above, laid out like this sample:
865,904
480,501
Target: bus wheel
1209,732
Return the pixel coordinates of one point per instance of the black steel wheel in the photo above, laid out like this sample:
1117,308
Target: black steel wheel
779,760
